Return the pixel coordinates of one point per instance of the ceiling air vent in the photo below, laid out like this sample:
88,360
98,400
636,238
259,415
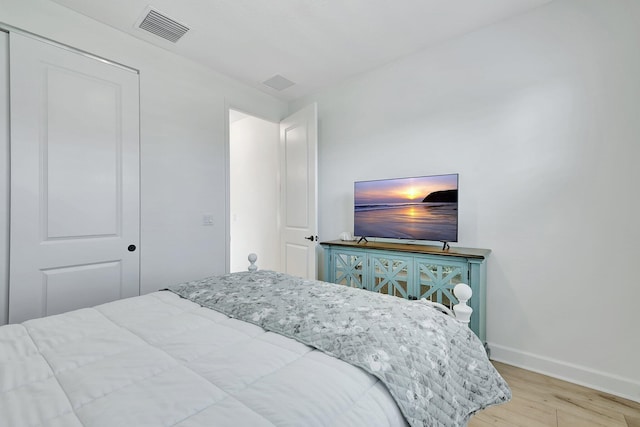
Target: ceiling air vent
163,26
278,82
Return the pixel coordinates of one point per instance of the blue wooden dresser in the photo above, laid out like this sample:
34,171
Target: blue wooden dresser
411,271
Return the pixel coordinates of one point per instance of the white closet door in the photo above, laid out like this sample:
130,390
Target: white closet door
74,180
4,176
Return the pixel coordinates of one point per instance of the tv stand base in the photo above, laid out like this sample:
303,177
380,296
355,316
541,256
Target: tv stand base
363,238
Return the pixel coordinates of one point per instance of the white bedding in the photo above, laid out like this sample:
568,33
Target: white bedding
159,360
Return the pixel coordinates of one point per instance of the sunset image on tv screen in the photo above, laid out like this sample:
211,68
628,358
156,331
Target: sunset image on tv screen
418,208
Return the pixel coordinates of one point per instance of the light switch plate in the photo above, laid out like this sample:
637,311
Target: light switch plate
207,219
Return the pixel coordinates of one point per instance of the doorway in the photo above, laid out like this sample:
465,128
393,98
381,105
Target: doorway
253,191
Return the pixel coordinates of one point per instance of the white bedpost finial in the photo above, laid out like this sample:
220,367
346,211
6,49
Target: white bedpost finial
463,293
252,259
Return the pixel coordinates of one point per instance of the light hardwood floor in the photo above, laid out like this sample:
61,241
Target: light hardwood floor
539,400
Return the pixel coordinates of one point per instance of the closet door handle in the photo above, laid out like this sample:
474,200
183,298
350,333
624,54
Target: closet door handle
312,238
131,248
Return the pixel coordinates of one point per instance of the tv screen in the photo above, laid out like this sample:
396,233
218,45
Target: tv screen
418,208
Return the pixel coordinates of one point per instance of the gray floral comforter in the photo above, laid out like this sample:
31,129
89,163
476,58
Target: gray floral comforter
435,368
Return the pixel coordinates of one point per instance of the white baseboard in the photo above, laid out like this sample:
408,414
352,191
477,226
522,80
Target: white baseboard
581,375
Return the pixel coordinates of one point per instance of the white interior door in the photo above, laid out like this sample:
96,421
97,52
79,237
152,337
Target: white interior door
74,180
298,181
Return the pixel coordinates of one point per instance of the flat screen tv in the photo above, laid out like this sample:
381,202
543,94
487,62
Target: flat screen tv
417,208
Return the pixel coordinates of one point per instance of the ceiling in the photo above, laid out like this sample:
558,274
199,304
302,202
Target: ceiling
313,43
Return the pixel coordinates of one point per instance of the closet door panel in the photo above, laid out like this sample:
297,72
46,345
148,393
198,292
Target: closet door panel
4,177
74,180
82,180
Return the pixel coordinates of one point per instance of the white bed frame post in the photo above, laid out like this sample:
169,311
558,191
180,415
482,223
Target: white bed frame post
252,262
462,311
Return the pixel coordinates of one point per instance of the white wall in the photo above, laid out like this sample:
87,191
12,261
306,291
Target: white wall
183,140
539,116
254,195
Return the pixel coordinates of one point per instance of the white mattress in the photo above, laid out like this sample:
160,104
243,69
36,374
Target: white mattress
159,360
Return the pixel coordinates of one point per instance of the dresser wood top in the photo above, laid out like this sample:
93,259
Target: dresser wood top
419,249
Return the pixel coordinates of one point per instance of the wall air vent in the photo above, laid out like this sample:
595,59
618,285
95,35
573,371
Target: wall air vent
163,26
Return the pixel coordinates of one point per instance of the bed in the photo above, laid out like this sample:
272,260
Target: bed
256,348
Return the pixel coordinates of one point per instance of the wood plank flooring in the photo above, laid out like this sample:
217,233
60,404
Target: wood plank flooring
539,400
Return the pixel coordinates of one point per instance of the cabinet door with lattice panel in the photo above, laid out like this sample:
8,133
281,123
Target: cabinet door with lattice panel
390,274
348,269
436,279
